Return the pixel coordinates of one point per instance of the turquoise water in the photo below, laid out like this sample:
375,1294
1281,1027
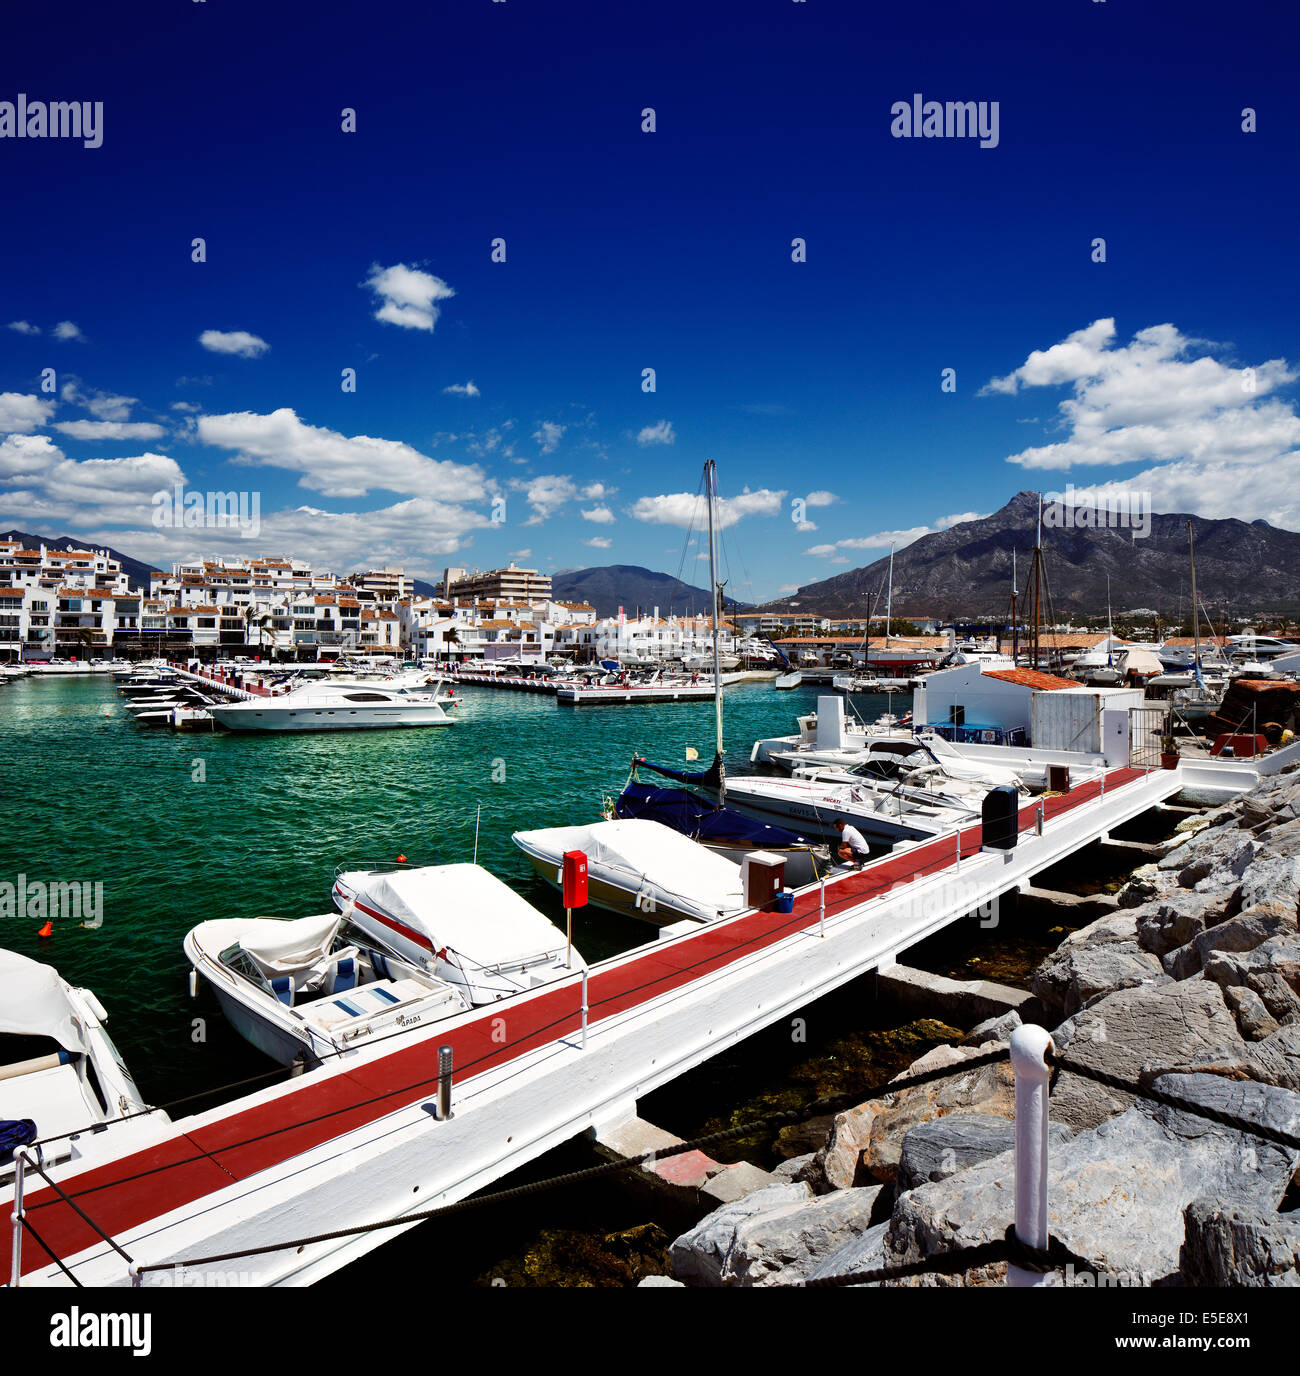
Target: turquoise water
182,827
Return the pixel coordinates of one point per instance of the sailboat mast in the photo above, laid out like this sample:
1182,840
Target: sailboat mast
1015,623
710,490
1037,579
1196,617
889,601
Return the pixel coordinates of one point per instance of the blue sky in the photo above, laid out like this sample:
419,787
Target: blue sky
628,250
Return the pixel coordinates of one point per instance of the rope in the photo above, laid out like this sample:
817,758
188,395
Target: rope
1227,1120
778,1119
49,1251
81,1213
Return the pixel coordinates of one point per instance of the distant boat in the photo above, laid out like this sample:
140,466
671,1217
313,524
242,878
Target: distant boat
329,707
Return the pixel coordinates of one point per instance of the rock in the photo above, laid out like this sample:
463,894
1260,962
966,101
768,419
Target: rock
805,1168
989,1090
1271,969
1122,1032
1254,1021
1273,1061
798,1139
734,1182
1284,838
866,1252
840,1158
997,1029
1099,957
1241,933
770,1237
659,1283
1240,1245
1176,920
1272,879
1117,1192
934,1151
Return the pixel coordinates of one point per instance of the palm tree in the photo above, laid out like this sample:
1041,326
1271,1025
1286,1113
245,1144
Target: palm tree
451,637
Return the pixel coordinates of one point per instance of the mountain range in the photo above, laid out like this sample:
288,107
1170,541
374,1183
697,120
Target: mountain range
966,570
629,586
137,571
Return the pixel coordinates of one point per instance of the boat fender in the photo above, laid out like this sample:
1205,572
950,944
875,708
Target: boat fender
194,983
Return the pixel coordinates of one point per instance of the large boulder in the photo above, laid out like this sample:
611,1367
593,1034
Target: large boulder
1097,958
1240,1245
1271,969
1172,922
1117,1192
865,1142
1122,1032
770,1237
934,1151
1243,932
1274,1060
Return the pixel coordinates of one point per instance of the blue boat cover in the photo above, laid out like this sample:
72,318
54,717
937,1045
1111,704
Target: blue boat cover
15,1133
710,778
700,819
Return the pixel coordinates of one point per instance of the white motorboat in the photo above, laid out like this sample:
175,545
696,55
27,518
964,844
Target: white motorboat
60,1073
829,736
924,758
641,869
304,989
328,707
458,922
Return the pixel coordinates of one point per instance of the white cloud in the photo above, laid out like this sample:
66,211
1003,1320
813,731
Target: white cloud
21,455
65,329
598,542
237,342
23,412
407,296
820,498
109,430
548,436
520,554
882,539
1213,438
185,406
339,465
599,515
102,405
462,389
659,433
805,527
23,327
686,509
597,492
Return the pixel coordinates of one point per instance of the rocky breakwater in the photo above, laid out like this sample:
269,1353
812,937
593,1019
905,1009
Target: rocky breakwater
1192,988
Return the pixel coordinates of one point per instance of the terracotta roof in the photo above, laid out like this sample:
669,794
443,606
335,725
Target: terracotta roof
1030,678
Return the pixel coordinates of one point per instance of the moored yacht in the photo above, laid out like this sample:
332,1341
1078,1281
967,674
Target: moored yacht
60,1073
328,707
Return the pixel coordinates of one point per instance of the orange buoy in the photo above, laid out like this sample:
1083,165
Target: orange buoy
401,859
47,930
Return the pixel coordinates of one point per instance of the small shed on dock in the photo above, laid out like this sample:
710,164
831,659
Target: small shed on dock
1054,713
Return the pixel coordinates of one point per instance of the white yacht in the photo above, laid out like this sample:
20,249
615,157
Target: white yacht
460,923
329,707
641,869
304,989
60,1073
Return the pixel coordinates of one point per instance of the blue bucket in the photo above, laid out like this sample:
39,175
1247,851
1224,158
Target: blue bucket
785,901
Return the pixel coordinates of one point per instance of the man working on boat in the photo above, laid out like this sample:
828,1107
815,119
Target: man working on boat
853,847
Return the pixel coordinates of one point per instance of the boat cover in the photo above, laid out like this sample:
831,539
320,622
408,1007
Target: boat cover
702,778
702,820
463,908
635,848
285,947
34,1003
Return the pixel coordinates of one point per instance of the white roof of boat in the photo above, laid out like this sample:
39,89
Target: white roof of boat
462,907
663,856
34,1002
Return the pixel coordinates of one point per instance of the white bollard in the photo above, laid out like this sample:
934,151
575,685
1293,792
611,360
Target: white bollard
1029,1048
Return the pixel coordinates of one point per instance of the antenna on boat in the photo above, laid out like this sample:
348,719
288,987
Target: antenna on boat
889,601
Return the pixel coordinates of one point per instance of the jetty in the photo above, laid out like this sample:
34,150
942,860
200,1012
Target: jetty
304,1176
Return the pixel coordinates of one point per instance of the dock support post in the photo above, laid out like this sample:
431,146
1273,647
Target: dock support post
16,1266
1038,820
1029,1048
444,1083
821,912
584,1007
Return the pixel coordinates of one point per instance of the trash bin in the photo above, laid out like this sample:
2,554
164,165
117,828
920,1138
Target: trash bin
1000,815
